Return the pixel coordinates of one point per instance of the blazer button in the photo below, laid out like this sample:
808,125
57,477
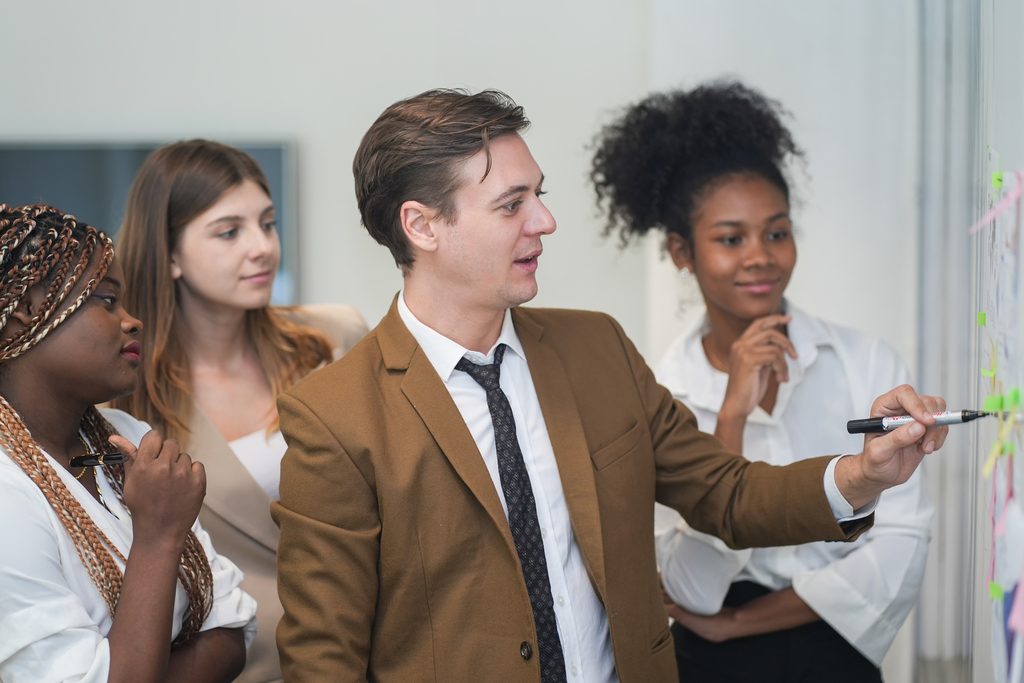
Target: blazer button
525,651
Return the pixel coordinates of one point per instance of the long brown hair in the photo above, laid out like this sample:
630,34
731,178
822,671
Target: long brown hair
175,184
42,247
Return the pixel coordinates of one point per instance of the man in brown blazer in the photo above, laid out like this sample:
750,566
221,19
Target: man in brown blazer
468,494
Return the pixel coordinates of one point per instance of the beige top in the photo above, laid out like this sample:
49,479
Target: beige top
236,511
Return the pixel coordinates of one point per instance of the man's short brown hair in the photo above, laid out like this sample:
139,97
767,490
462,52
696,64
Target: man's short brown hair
412,152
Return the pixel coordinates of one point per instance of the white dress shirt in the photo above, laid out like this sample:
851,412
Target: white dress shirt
53,620
582,622
863,589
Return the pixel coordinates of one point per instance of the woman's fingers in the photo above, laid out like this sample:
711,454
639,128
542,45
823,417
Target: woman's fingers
767,331
760,357
769,338
125,446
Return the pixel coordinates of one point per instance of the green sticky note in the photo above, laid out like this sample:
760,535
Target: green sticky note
993,404
1013,398
981,318
997,180
986,372
995,591
1009,447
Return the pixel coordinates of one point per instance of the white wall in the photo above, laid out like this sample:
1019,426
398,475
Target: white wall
318,74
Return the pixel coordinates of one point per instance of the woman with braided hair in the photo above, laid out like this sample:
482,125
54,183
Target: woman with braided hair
106,575
704,167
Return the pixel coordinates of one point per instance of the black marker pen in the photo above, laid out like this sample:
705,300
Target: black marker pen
887,424
98,459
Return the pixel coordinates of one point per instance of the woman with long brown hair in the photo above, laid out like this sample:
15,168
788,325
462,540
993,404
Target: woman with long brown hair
200,251
104,566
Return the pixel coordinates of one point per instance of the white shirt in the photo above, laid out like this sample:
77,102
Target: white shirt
261,454
582,622
53,620
863,589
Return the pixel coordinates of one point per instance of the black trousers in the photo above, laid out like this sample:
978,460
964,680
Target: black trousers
812,653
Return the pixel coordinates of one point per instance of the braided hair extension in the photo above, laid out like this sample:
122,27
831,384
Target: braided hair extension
654,162
42,247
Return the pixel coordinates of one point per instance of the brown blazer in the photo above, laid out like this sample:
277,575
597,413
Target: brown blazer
236,511
396,562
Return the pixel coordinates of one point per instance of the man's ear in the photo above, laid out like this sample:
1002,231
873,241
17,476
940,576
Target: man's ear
418,222
680,250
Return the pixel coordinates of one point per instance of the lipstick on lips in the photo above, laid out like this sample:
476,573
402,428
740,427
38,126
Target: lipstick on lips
760,287
132,351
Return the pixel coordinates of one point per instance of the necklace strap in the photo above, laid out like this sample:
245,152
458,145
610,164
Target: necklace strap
85,449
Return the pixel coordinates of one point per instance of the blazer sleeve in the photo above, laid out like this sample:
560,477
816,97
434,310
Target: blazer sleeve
328,553
746,504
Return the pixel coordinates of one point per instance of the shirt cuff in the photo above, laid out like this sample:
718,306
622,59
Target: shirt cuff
841,508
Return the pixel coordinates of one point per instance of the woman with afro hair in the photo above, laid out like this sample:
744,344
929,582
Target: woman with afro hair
706,168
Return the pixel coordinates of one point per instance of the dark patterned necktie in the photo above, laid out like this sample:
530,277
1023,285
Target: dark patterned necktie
522,515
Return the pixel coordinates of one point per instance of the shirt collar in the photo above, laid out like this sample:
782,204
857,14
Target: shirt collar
444,353
686,372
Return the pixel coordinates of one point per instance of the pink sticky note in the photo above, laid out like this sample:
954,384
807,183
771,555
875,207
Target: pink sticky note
1000,528
1016,620
1002,206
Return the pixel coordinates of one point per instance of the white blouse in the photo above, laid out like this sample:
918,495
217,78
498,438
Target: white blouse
53,620
261,454
863,589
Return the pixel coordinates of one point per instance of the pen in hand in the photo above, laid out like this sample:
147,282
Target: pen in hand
98,459
887,424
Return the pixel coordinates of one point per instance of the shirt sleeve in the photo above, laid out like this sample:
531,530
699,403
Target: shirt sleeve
232,606
697,568
867,594
46,630
841,507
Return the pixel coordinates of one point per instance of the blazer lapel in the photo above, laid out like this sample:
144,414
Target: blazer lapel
232,493
565,429
432,402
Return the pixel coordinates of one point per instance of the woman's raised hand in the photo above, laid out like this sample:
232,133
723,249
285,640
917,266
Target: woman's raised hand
163,488
759,353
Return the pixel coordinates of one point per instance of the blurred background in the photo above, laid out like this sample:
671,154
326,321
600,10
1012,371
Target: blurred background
892,102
